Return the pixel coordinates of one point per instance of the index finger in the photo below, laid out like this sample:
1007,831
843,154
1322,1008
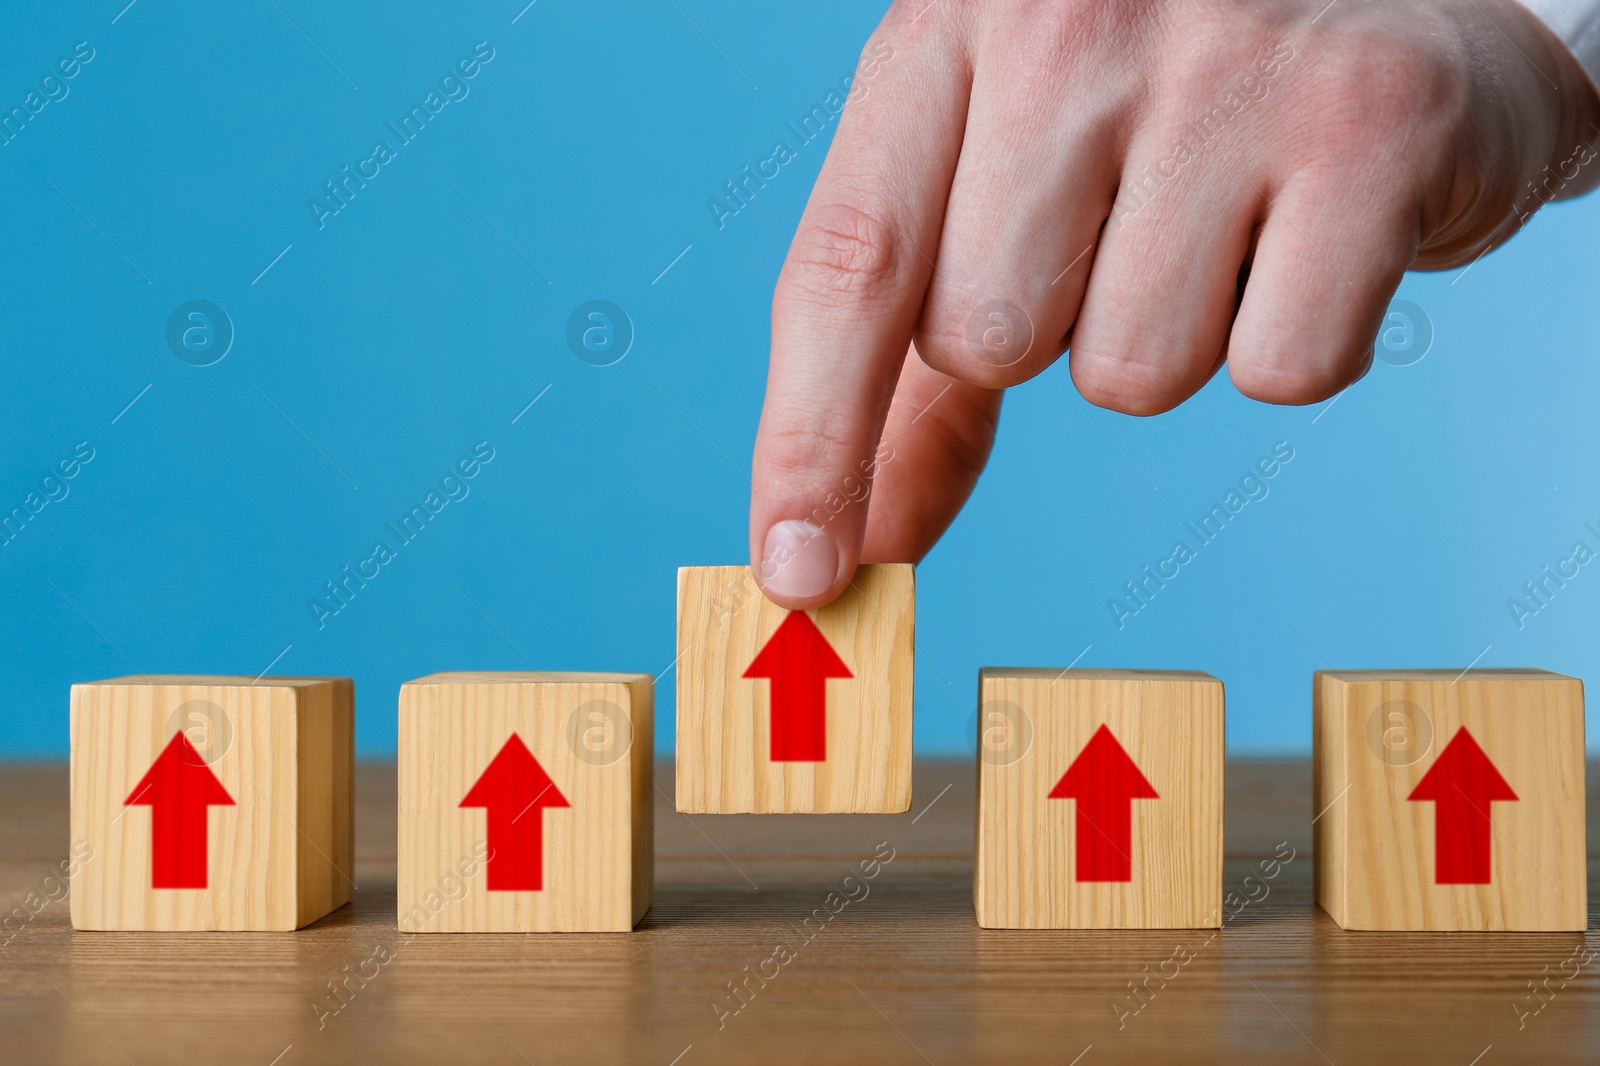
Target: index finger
846,305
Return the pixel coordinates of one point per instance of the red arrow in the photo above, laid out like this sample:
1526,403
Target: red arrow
1461,783
1105,782
515,789
179,788
798,660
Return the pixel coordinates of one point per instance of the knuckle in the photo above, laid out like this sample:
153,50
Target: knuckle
1294,383
1051,40
947,346
878,50
843,252
990,342
1377,89
1124,384
942,348
941,338
1224,49
799,450
915,19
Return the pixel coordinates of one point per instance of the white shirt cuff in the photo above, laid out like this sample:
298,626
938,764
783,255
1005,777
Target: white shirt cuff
1577,23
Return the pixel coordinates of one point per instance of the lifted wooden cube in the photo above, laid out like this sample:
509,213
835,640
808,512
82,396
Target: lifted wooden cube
794,712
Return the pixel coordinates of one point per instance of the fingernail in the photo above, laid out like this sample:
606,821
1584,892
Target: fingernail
798,560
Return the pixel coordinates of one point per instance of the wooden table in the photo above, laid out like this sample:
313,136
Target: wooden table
901,974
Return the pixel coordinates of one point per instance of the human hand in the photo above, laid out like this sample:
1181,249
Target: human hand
1160,186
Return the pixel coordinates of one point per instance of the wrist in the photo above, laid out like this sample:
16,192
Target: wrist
1567,34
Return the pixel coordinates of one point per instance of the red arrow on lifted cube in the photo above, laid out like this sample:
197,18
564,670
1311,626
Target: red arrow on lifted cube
515,790
1105,782
179,788
798,660
1461,784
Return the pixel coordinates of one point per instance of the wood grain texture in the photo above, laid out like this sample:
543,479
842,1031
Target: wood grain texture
724,743
901,976
1378,732
593,734
1033,724
279,858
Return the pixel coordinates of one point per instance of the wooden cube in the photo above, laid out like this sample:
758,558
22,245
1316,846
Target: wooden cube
526,802
212,802
1099,799
794,712
1450,800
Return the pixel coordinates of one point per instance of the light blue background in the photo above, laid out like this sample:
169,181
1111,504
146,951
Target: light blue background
409,328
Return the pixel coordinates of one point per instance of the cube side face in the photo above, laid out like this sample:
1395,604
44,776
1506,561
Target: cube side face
643,781
1437,863
1033,871
230,866
569,858
326,811
725,726
1329,788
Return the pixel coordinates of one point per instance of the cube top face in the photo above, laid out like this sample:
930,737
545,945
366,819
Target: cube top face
1099,799
212,803
528,677
1091,673
214,681
1487,673
794,712
525,802
1450,800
